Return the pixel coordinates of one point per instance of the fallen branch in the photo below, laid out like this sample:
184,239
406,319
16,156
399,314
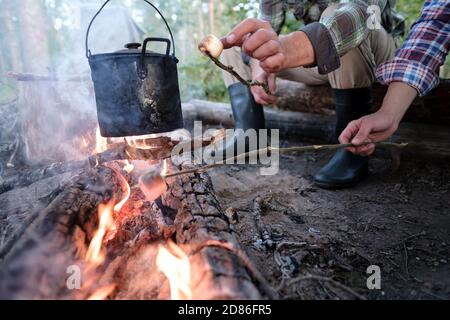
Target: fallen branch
282,151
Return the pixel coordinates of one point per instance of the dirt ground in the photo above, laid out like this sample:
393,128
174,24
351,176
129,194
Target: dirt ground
326,240
317,244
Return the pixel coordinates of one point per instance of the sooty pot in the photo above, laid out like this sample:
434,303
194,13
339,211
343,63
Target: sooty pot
136,90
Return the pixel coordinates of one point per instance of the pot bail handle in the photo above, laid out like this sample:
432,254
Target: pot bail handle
142,70
88,51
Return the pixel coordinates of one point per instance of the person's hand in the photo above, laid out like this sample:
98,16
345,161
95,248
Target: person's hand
376,127
275,53
258,40
261,96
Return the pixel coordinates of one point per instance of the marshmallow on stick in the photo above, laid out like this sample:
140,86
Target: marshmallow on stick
211,45
152,185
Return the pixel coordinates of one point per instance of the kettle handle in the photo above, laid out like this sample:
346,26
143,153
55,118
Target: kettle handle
146,41
142,70
88,51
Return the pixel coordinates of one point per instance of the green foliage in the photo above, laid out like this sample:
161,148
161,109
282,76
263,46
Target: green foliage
410,9
199,78
190,20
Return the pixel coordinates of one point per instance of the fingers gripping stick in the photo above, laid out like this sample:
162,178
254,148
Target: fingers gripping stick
212,47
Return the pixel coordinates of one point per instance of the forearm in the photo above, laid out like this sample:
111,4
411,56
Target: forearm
398,99
298,50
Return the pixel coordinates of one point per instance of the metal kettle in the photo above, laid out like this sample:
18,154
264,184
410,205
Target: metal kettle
137,91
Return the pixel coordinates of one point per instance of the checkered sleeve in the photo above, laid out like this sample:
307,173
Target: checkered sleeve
342,31
350,24
272,11
417,63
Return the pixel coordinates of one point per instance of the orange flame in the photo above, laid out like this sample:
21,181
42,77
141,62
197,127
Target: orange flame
175,264
94,253
101,143
165,168
102,293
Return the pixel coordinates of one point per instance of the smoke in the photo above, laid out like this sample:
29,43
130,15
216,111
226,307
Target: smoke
57,108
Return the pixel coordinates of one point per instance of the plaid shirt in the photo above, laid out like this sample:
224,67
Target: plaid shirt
347,26
417,63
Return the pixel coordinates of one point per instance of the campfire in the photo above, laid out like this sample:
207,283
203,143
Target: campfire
123,245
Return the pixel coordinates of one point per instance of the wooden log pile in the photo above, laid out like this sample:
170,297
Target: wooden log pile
42,243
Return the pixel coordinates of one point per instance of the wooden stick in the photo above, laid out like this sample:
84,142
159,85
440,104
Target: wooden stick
282,151
231,71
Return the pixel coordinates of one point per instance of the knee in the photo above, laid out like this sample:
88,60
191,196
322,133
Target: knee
356,71
231,56
330,10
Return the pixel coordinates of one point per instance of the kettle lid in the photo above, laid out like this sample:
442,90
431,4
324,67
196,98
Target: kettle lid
132,47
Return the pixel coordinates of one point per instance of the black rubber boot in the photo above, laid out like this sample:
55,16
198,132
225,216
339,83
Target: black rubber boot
247,114
345,169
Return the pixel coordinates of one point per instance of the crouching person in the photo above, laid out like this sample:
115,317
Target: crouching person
341,44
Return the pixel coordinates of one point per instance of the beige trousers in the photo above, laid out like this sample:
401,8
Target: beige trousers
357,68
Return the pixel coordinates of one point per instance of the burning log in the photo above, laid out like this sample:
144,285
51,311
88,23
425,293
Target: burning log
161,149
201,225
126,259
30,176
35,265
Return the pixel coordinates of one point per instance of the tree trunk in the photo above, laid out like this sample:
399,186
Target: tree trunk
11,46
33,28
201,26
212,16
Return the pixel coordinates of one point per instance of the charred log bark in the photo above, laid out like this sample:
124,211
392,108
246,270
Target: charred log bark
222,271
55,237
27,177
35,265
